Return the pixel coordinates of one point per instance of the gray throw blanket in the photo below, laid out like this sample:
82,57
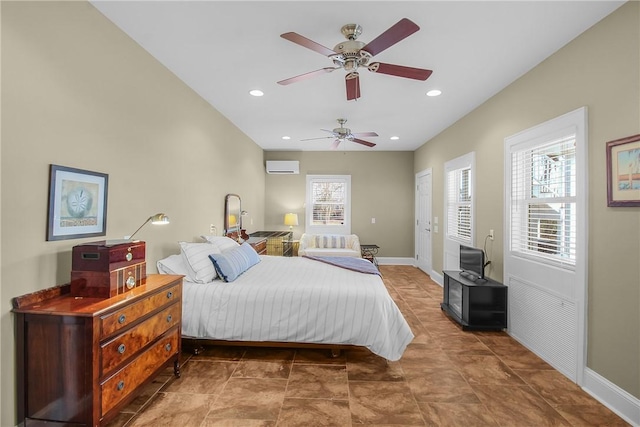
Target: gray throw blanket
350,263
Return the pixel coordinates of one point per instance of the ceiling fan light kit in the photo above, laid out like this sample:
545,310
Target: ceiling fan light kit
353,54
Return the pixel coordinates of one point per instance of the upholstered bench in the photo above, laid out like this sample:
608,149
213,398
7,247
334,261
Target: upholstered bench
329,245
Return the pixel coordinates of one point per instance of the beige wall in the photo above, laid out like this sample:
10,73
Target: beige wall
381,188
599,70
77,92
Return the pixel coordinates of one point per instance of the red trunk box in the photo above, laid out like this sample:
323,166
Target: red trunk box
107,268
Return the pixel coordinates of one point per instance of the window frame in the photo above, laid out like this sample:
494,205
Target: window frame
345,227
523,198
451,243
455,169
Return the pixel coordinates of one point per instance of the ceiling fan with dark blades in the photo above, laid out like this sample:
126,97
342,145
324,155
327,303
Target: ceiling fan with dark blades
342,133
352,54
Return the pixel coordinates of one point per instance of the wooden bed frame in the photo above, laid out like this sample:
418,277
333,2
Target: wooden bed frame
196,345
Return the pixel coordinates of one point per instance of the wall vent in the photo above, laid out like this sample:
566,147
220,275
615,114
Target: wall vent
283,167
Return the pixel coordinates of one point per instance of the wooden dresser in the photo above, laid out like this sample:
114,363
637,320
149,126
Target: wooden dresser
259,244
80,360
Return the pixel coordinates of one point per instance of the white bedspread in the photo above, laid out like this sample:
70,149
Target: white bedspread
300,300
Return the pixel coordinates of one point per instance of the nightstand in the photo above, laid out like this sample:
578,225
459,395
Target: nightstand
369,252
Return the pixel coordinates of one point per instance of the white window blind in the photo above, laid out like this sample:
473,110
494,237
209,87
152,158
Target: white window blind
543,201
459,209
328,199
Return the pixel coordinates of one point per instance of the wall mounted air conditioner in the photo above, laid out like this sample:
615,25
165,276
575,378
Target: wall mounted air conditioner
283,167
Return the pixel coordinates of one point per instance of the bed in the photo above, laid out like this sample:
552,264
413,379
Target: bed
293,301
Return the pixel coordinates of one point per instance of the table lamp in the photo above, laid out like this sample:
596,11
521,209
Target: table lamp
156,219
291,219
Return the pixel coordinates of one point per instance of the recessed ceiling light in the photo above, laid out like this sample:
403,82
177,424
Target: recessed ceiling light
434,92
393,138
256,92
286,137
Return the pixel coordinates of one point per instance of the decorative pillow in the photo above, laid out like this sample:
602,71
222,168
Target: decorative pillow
221,242
233,262
197,263
327,241
173,264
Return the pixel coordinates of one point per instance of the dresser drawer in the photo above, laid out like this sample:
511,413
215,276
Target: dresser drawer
260,246
125,381
115,321
121,348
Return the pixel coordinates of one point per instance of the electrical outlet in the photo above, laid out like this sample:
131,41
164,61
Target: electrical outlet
491,234
213,230
373,220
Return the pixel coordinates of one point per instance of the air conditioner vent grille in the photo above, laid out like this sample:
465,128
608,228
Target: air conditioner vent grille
283,167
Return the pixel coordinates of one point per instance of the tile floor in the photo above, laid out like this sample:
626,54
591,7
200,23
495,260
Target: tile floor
446,377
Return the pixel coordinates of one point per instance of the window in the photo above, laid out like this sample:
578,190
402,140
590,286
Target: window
459,190
543,200
328,204
459,206
328,199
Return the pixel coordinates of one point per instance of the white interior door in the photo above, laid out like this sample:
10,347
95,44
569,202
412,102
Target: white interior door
545,259
423,221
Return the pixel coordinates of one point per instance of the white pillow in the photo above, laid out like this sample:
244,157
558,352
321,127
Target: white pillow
199,267
173,264
221,242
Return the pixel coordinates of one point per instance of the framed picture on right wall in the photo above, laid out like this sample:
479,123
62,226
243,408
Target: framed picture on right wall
623,171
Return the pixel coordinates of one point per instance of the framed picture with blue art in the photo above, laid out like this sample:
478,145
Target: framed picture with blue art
623,171
77,203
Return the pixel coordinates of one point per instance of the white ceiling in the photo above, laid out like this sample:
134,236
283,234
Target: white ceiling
223,49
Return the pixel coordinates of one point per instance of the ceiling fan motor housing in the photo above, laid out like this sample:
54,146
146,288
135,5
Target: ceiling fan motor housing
342,132
349,56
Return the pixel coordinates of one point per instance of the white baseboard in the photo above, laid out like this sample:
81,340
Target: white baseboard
612,396
438,278
394,261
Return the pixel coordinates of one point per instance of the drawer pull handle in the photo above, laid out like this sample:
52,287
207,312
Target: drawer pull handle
131,282
121,348
168,347
122,318
169,317
120,385
169,294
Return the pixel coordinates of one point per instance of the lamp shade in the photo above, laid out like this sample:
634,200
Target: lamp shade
291,219
156,219
159,218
